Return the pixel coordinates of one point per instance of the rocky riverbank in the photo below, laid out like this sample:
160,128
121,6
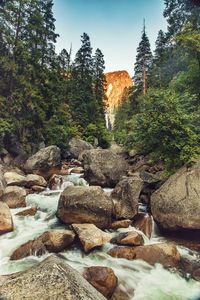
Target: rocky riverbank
96,210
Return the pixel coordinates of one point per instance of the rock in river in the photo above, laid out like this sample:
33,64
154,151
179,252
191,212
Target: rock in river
102,278
176,205
126,196
14,196
103,167
45,162
83,204
6,222
90,236
51,279
162,253
77,146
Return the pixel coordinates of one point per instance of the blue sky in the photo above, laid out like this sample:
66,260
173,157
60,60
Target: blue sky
114,26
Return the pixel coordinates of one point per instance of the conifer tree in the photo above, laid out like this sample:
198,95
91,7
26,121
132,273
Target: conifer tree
143,63
82,99
100,82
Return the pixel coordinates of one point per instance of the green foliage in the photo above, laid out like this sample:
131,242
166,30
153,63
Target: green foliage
97,133
44,96
143,63
59,129
166,126
165,122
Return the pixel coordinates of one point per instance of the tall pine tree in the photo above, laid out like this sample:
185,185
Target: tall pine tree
100,83
143,63
82,99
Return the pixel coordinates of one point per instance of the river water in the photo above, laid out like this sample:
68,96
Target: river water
140,280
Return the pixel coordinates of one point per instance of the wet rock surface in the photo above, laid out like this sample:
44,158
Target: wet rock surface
53,241
14,196
80,204
90,236
44,162
77,146
103,167
175,205
51,279
144,223
102,278
125,197
6,222
131,238
162,253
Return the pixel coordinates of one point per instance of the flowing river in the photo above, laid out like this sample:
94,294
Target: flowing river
140,280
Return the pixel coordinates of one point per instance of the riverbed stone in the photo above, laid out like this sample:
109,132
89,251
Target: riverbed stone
120,294
121,224
84,204
51,279
45,162
103,167
59,240
196,274
144,223
90,236
35,180
6,222
77,146
122,252
55,240
30,211
14,196
55,182
32,247
13,178
176,205
165,254
101,278
130,238
126,196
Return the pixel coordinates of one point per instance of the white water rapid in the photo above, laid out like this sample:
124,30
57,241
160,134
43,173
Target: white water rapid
140,280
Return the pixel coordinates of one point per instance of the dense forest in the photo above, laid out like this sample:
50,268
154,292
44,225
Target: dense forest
45,97
48,98
161,114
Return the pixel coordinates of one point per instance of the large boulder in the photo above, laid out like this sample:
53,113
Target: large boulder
102,278
84,204
165,254
176,205
77,146
14,196
126,196
45,162
90,236
51,279
6,222
103,167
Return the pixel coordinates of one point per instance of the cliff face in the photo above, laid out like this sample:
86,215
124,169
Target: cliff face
117,83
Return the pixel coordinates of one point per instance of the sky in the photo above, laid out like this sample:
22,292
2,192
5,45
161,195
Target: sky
114,26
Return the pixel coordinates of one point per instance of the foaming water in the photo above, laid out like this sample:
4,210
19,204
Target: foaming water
140,280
